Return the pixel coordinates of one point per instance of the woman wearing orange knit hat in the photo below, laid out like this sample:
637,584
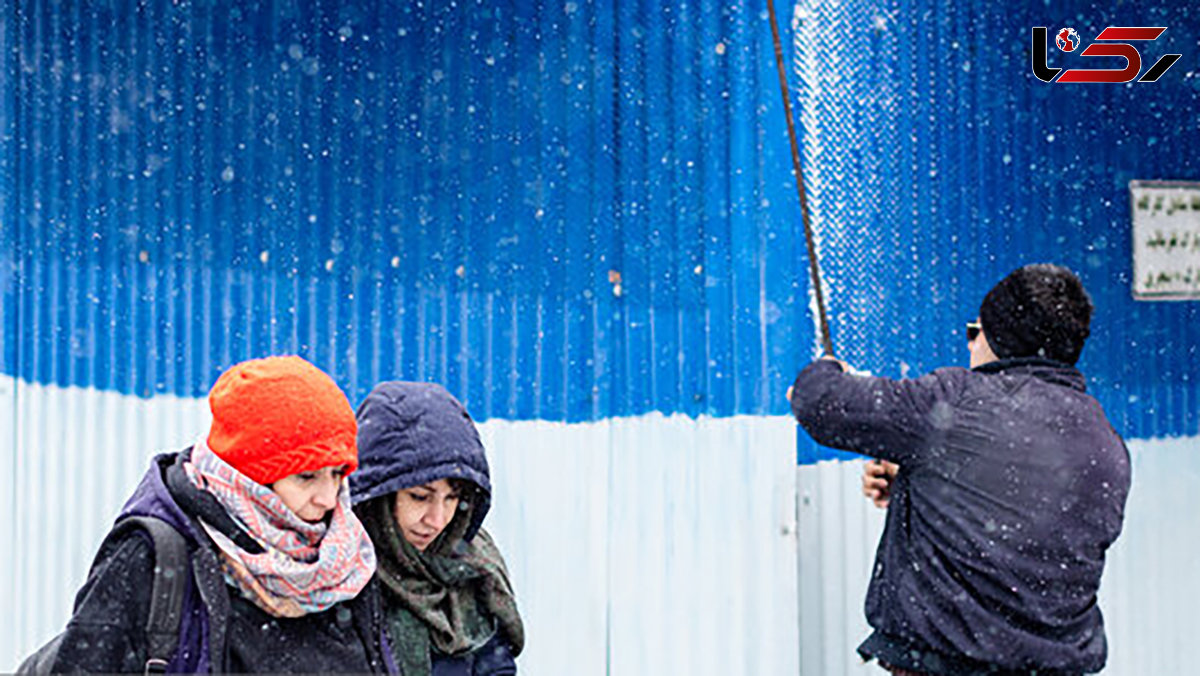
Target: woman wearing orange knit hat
276,564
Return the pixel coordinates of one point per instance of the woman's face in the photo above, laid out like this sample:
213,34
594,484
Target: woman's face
423,512
311,495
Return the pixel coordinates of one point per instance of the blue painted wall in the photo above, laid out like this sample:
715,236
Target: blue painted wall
945,164
567,210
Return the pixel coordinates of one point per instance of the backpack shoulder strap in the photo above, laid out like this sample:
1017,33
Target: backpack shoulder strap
167,591
166,595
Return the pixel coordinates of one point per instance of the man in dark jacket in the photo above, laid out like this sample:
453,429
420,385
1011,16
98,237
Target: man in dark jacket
1011,487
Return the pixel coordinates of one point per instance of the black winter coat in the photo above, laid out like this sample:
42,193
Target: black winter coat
220,631
1012,486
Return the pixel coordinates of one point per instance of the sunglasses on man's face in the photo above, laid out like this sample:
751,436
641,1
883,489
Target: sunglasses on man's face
973,329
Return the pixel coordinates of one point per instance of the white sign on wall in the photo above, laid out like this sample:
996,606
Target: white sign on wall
1166,240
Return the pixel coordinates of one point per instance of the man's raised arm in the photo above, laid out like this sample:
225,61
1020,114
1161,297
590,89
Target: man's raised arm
893,420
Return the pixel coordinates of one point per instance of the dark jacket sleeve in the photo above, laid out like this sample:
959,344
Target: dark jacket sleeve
893,420
495,659
107,632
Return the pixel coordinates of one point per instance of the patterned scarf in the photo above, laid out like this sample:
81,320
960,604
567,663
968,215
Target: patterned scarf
454,597
305,567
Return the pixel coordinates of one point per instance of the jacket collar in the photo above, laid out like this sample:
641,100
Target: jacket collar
204,505
152,498
1048,370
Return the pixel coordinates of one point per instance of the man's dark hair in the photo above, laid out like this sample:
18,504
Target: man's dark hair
1039,310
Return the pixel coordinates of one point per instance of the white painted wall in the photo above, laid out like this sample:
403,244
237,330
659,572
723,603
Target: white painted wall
649,545
75,456
838,532
1151,589
8,513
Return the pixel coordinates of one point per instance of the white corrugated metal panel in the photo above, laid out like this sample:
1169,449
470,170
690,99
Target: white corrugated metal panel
1150,589
78,454
703,568
637,546
8,519
838,533
550,518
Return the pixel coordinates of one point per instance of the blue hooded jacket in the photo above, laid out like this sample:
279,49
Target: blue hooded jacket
413,433
410,434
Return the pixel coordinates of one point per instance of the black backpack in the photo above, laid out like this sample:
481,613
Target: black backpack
166,596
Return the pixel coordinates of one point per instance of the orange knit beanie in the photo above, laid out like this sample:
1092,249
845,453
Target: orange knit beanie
279,416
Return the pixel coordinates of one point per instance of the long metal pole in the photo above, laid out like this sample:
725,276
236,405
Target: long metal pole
813,267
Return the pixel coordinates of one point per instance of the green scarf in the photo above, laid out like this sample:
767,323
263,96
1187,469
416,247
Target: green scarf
453,597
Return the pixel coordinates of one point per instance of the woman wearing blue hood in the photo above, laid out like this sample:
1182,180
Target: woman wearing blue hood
422,491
